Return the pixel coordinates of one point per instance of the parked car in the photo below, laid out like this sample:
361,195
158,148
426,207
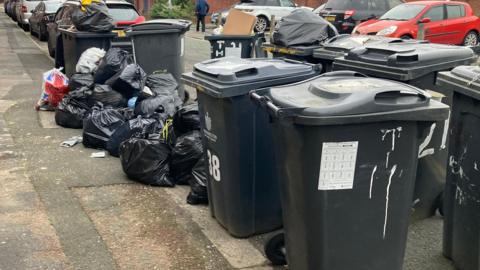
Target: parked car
263,10
447,22
24,10
346,14
11,9
43,14
124,14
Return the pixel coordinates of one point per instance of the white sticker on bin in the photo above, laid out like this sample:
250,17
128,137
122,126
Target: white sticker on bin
337,165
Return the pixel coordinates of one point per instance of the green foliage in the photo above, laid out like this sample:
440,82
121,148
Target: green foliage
181,9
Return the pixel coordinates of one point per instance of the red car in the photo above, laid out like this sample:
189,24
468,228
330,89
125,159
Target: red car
446,22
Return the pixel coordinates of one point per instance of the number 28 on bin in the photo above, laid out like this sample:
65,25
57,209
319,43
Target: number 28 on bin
213,166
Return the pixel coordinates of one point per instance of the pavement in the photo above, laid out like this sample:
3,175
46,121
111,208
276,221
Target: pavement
61,209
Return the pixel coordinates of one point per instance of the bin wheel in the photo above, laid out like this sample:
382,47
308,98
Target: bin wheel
440,204
275,249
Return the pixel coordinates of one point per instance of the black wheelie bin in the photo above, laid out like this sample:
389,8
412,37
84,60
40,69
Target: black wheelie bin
340,45
241,180
461,241
236,46
159,45
416,64
76,42
347,147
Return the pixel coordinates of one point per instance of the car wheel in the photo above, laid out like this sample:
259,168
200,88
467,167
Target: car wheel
406,37
25,27
471,39
261,25
31,32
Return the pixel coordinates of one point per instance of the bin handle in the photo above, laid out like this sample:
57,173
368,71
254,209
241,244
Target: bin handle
316,67
344,73
272,109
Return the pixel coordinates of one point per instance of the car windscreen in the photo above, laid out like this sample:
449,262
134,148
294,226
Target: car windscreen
403,12
52,7
122,13
346,5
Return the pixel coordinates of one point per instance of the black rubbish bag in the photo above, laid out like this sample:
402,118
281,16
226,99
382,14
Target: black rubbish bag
162,105
128,81
186,119
70,112
114,61
79,80
198,183
94,18
127,113
99,126
127,130
146,161
81,95
162,83
185,154
107,96
302,27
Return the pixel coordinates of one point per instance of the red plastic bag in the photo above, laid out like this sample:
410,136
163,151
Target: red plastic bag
55,86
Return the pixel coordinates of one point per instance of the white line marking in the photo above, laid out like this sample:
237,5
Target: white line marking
371,180
392,172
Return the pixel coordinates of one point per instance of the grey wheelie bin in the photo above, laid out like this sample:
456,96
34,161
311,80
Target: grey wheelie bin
76,42
159,45
340,45
416,64
347,147
462,191
242,181
236,46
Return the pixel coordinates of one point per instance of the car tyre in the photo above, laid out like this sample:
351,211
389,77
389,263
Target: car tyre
261,25
26,27
406,37
471,39
31,32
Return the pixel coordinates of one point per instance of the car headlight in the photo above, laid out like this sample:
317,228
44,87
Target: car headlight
387,31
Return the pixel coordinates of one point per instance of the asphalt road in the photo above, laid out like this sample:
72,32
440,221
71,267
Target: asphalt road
61,209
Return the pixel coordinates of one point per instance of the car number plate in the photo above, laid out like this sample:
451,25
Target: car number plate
330,18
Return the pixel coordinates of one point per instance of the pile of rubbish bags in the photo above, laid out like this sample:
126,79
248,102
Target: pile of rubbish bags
137,117
302,27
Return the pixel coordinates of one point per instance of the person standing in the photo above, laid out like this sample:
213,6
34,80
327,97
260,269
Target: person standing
201,10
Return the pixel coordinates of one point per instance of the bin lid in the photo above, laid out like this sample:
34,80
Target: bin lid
162,24
410,54
347,95
232,76
465,79
341,44
84,34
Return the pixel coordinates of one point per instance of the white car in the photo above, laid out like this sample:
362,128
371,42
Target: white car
265,9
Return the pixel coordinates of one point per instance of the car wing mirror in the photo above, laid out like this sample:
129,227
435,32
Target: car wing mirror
425,20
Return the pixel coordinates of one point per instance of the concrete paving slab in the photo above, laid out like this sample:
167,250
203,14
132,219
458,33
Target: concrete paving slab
145,229
240,253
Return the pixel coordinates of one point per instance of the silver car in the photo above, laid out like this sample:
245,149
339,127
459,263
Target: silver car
24,10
